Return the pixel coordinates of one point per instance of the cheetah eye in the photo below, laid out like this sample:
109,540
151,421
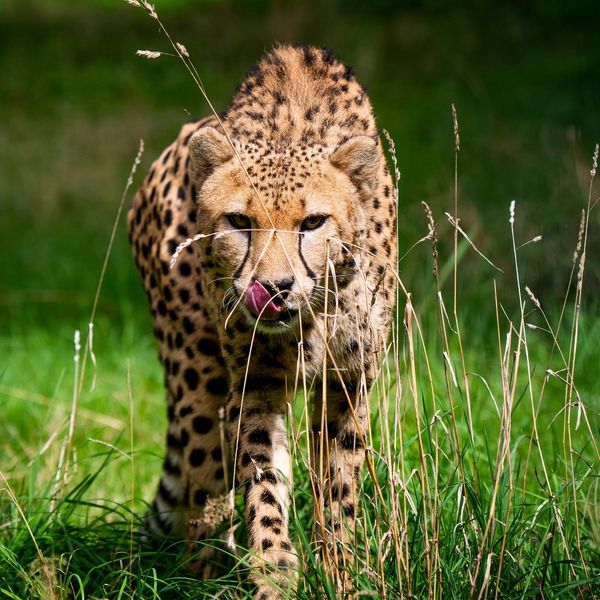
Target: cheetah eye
313,222
239,221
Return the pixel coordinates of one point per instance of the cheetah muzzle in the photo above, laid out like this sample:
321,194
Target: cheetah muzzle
293,276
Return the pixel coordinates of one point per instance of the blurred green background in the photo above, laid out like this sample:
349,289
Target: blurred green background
75,100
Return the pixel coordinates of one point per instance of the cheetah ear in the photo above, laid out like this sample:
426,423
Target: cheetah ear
359,159
209,149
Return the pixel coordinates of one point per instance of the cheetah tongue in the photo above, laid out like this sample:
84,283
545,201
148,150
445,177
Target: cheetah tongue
258,301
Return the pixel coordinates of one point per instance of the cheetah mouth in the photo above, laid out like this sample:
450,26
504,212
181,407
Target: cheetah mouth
270,310
283,320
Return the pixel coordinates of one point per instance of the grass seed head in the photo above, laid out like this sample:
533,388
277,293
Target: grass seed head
579,236
148,53
182,49
456,134
532,296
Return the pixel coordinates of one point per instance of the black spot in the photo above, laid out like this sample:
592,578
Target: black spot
267,498
349,510
310,113
219,474
191,378
335,491
188,325
179,340
376,203
168,217
185,411
279,97
162,308
166,189
173,441
217,454
348,440
271,522
184,295
202,425
185,270
241,361
171,468
172,246
200,497
266,544
234,413
166,494
343,406
261,459
332,429
309,56
185,438
251,513
270,477
286,545
197,457
218,386
260,437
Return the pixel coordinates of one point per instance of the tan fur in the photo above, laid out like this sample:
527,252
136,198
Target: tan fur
303,129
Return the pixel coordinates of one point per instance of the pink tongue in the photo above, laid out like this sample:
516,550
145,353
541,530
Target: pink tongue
258,301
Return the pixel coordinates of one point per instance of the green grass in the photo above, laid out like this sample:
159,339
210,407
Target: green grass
75,102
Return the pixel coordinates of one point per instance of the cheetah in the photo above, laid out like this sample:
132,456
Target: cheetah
289,284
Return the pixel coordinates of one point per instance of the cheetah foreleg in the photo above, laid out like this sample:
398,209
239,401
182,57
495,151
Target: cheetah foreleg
263,465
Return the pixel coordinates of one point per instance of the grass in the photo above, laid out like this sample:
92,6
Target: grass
484,470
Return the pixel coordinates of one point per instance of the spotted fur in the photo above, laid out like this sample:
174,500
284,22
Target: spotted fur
304,131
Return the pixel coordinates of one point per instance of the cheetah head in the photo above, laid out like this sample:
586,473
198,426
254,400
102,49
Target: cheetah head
284,229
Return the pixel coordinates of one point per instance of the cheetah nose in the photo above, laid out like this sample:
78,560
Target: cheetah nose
259,300
283,286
